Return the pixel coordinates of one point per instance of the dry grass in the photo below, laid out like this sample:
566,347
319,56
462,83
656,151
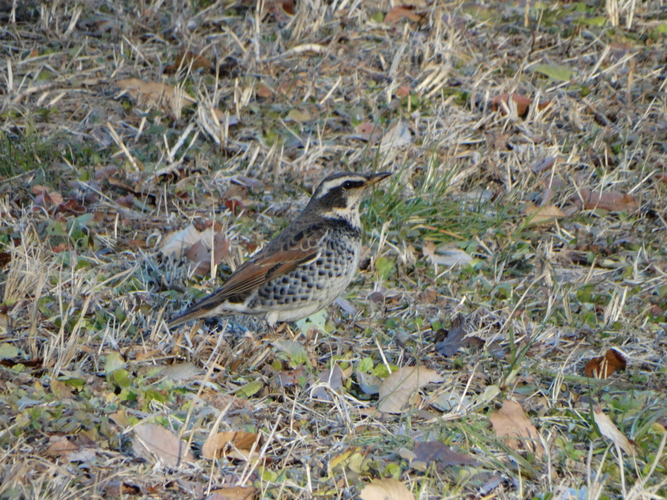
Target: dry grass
84,289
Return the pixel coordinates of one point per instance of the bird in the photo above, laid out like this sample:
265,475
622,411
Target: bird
303,269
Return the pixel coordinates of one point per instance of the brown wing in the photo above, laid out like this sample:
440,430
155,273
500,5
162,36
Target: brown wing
296,245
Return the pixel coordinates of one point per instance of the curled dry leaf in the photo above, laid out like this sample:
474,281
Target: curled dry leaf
537,216
154,443
398,389
154,94
401,12
609,430
604,366
607,200
386,489
240,444
510,421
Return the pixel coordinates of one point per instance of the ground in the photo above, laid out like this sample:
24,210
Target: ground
505,334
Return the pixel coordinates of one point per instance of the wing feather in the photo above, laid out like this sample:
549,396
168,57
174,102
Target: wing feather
280,257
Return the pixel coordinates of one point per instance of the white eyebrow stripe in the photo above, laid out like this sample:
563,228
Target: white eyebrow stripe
335,183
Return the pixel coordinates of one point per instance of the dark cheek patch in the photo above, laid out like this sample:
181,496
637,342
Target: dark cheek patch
335,199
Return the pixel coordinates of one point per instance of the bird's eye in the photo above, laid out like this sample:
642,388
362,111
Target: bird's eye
352,184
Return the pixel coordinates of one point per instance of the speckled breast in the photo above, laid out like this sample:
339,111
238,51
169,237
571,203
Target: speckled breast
321,280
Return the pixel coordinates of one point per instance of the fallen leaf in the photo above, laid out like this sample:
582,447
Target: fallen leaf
288,378
197,247
181,371
386,489
370,384
537,216
154,443
402,91
8,351
604,366
264,92
455,338
398,389
609,430
511,421
233,493
544,164
240,444
64,448
608,200
367,131
445,256
178,242
396,137
188,59
553,71
400,12
522,103
154,94
432,451
333,379
296,352
297,115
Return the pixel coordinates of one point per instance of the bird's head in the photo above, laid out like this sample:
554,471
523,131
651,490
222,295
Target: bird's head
339,195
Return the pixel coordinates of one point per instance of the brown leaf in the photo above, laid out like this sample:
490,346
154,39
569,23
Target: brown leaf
72,206
105,172
154,94
154,443
5,258
400,12
64,448
544,164
187,58
604,366
126,201
522,103
264,92
178,242
240,443
233,493
368,131
608,200
398,389
610,431
288,378
288,7
402,91
512,422
537,216
435,450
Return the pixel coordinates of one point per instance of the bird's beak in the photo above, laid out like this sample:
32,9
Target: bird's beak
375,178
